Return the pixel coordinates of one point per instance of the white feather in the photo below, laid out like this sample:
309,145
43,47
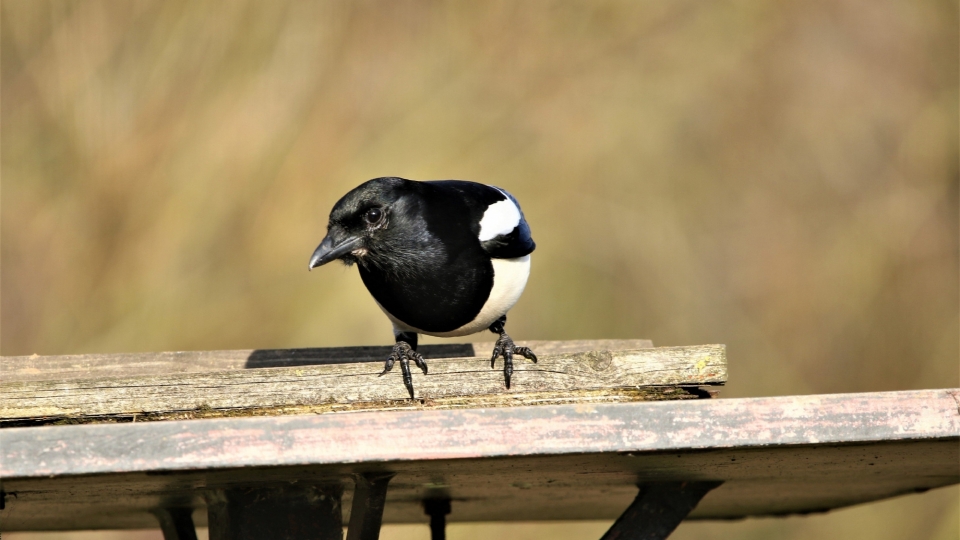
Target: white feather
501,217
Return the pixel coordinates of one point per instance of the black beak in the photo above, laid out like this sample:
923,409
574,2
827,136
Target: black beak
327,251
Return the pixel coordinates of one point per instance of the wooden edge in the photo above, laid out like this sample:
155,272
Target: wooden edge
94,366
521,399
383,437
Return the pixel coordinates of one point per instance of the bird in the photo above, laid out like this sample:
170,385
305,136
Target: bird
443,258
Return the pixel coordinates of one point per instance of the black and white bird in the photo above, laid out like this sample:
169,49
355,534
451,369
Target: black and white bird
445,258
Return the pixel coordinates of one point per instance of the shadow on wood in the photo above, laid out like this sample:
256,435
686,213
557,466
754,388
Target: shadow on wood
269,358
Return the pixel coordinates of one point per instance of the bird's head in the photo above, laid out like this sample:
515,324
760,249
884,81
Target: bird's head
366,222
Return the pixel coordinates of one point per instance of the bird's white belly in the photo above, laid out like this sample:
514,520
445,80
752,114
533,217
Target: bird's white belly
509,279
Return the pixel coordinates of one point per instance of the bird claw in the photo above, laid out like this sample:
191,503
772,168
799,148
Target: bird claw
403,353
525,352
506,348
497,351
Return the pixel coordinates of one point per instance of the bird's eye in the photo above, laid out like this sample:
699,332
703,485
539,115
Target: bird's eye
373,216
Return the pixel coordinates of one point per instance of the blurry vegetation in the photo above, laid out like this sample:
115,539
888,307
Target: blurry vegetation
781,177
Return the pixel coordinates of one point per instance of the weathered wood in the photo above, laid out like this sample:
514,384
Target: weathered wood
96,366
775,455
585,377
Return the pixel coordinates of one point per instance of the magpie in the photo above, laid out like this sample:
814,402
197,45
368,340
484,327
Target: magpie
445,258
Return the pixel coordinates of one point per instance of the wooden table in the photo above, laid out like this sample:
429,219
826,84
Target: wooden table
583,453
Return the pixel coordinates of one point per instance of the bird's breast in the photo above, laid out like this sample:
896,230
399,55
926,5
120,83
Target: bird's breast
509,279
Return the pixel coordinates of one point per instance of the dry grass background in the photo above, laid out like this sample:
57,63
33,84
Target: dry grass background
781,177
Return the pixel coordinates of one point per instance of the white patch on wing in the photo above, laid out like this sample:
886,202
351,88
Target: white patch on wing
501,217
509,279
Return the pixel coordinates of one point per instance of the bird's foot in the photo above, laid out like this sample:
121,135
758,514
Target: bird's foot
507,349
403,353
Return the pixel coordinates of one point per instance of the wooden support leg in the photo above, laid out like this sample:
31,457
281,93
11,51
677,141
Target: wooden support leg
176,523
369,498
437,509
658,510
291,512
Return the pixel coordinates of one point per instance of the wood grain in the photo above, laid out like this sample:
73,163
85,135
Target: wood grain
572,377
93,366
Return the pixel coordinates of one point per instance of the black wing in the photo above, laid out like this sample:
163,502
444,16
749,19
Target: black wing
476,198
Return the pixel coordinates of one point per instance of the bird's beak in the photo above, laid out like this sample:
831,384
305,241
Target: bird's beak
328,250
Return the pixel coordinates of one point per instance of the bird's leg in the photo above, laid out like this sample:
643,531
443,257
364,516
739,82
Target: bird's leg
404,351
507,349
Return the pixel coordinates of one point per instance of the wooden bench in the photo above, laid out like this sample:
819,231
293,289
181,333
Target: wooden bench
271,444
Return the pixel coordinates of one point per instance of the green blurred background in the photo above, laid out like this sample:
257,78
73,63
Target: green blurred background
781,177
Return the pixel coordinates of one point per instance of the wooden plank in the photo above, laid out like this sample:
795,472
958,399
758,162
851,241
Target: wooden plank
380,436
776,456
587,377
96,366
767,481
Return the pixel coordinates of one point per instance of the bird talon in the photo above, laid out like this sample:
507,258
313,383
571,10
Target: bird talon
403,352
505,348
526,353
421,363
388,365
407,377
